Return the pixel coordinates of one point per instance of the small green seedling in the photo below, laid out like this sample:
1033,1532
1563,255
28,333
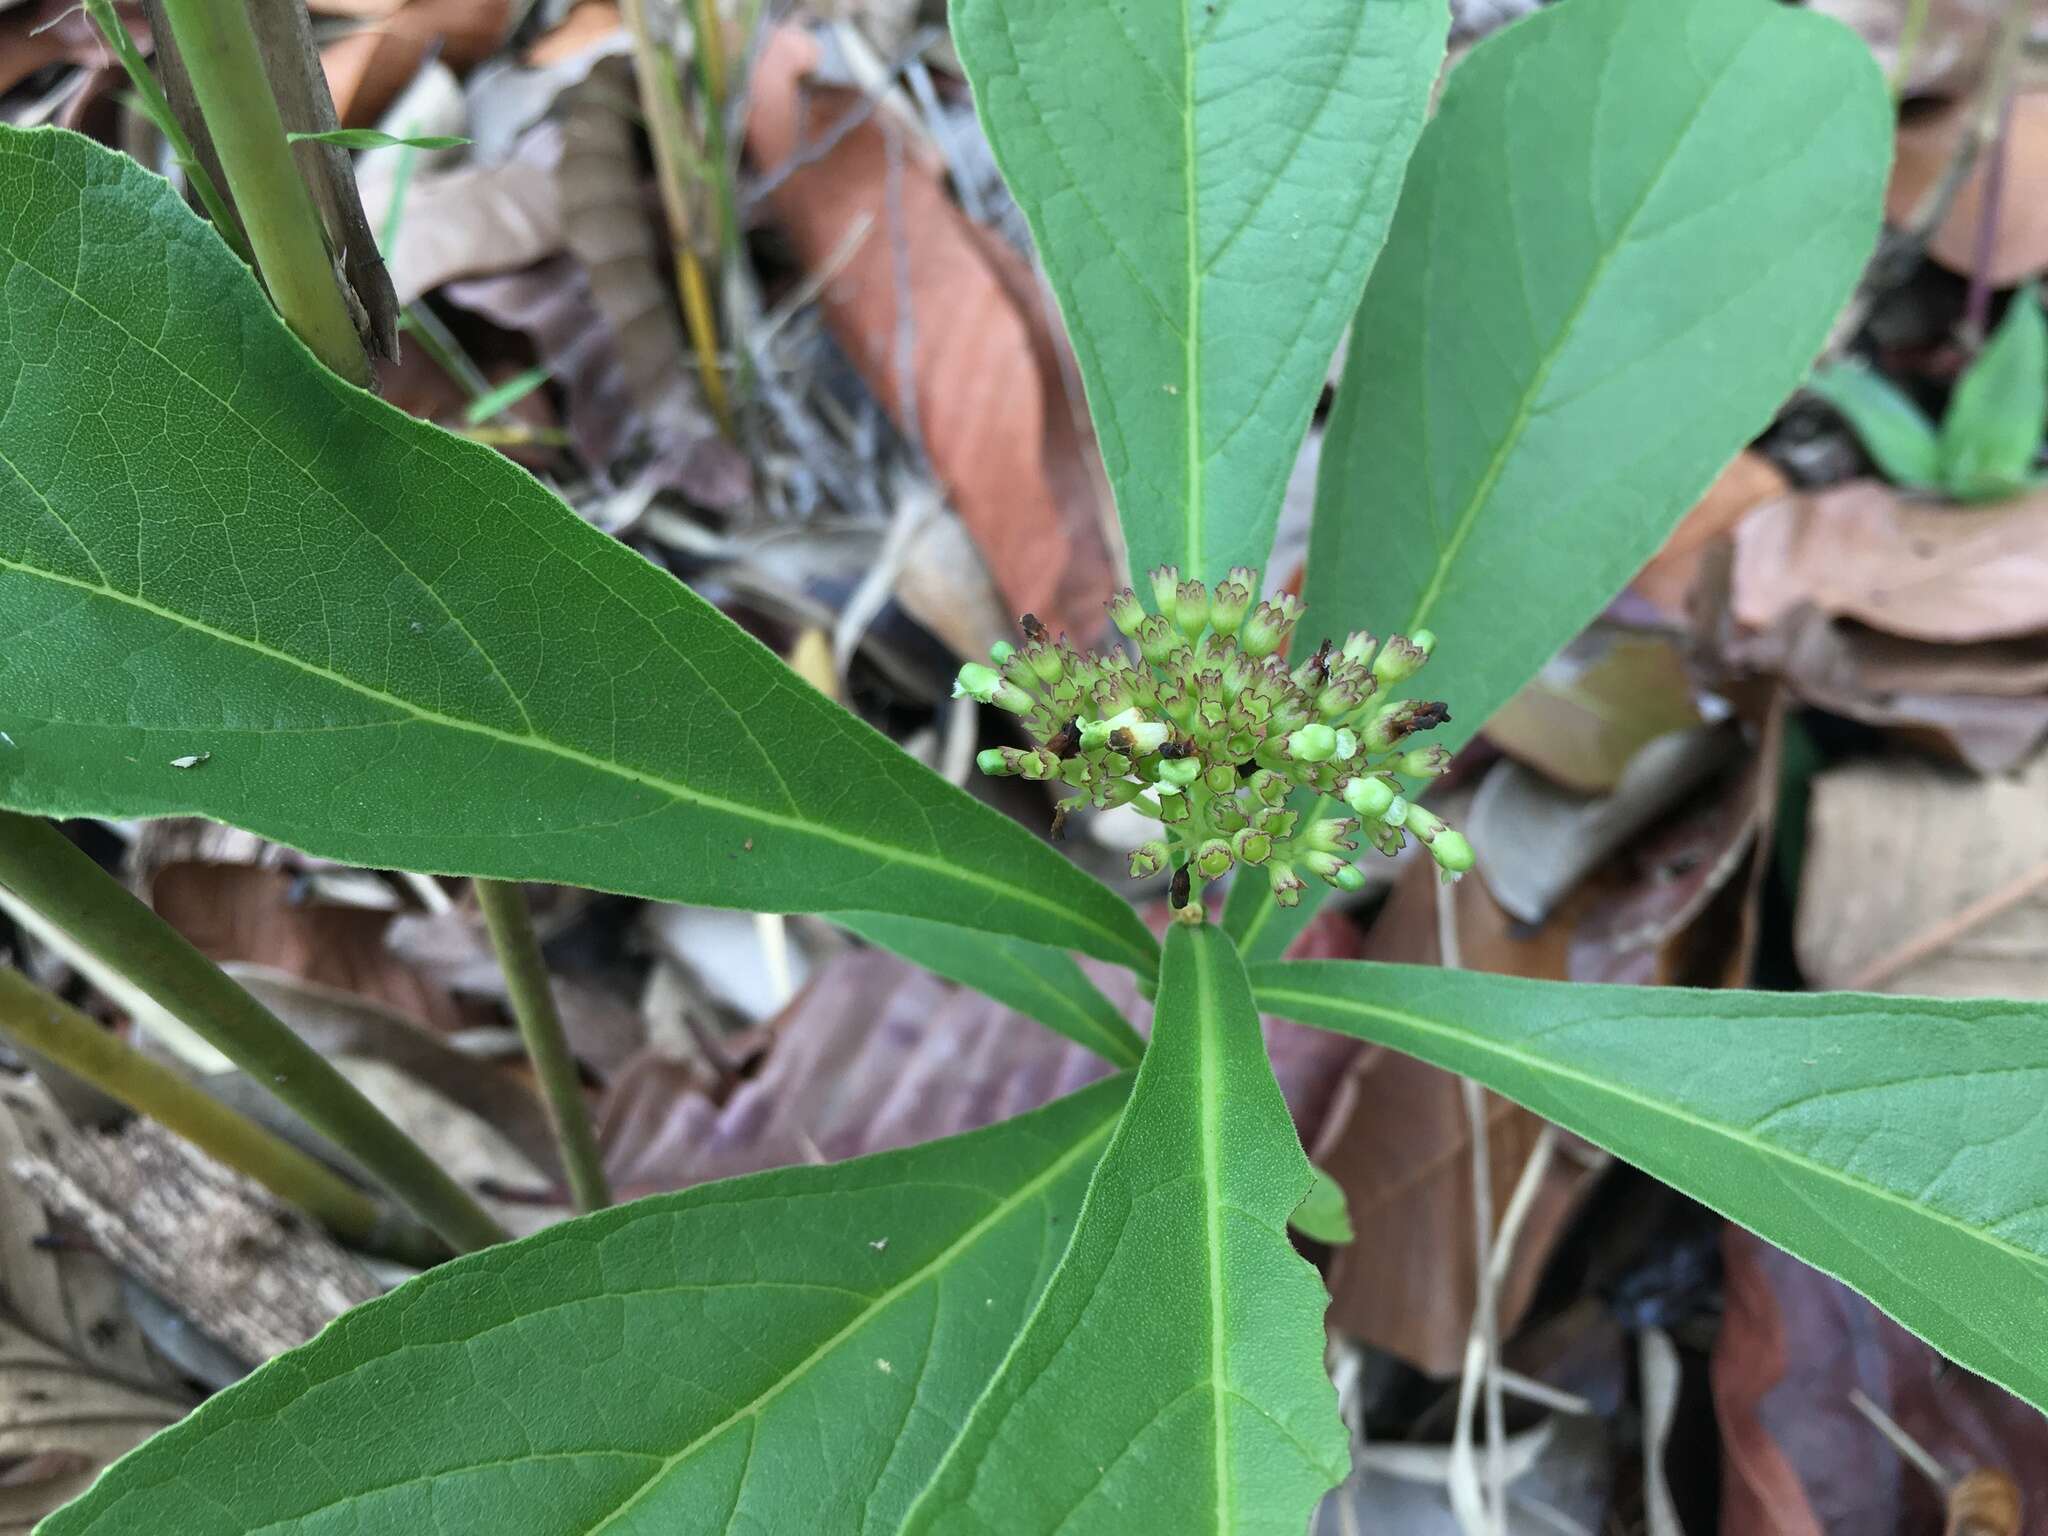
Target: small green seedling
385,644
1990,437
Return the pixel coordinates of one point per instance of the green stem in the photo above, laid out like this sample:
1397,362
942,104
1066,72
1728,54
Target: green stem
41,865
159,112
540,1026
54,1029
219,49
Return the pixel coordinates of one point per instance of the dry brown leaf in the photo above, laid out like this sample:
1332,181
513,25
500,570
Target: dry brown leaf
1798,1458
1397,1141
1667,581
1606,696
368,68
1922,569
586,25
989,401
1925,147
472,221
236,912
1920,879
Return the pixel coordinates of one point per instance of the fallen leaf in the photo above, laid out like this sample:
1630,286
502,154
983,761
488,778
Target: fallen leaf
1921,569
473,221
1920,879
368,68
1926,144
1003,436
1798,1458
1601,700
1667,581
585,27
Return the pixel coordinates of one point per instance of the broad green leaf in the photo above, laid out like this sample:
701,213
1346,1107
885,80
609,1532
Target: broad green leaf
367,638
1896,1143
374,138
1894,430
1993,427
1043,983
1208,184
788,1352
1573,327
1171,1377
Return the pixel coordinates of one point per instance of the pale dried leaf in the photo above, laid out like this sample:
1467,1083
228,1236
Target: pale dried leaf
1606,696
1667,582
474,221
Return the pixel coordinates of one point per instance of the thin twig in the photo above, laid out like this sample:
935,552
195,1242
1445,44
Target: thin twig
1903,1443
1946,932
547,1044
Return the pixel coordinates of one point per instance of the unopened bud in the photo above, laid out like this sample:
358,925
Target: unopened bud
1221,779
985,685
1095,734
1179,771
1269,624
1232,599
1347,744
1312,744
1191,608
1165,590
1424,824
1401,660
1287,886
1125,611
992,762
1424,762
1213,859
1001,652
1251,845
1370,796
1358,647
1157,638
1147,860
1332,835
1451,852
1046,661
1319,861
1399,719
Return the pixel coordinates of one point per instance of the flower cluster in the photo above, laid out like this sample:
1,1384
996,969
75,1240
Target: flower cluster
1209,732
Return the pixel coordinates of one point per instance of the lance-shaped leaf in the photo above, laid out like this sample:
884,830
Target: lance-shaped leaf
1572,329
1040,982
1171,1378
1209,184
788,1352
1896,1143
233,586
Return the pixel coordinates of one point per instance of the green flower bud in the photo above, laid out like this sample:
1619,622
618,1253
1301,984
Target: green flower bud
1287,886
1275,823
1191,608
1221,779
1110,792
1165,590
1338,700
1001,652
1347,744
1077,772
1290,712
1386,837
1174,807
1332,835
987,686
1399,719
1232,599
1358,647
1148,859
1424,762
1176,702
1312,744
1095,734
1251,846
992,762
1401,660
1213,859
1451,852
1370,796
1157,639
1318,861
1424,824
1046,661
1270,787
1036,765
1225,814
1179,771
1310,676
1112,695
1424,640
1397,813
1125,611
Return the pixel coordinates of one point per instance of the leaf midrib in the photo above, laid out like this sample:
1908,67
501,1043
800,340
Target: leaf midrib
1280,997
1190,334
1212,1181
679,792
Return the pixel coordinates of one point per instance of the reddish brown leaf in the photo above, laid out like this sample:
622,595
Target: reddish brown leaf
1926,145
369,67
1005,442
1667,581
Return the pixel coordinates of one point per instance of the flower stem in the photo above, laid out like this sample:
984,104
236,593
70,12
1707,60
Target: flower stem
52,1028
540,1026
219,50
42,866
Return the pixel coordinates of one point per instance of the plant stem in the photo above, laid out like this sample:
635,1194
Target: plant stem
540,1026
53,1028
219,49
158,110
46,870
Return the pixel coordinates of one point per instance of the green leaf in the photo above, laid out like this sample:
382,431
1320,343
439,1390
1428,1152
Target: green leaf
1174,1364
1034,980
371,138
1573,328
1896,1143
1208,184
1323,1215
788,1352
389,646
1895,430
1993,427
